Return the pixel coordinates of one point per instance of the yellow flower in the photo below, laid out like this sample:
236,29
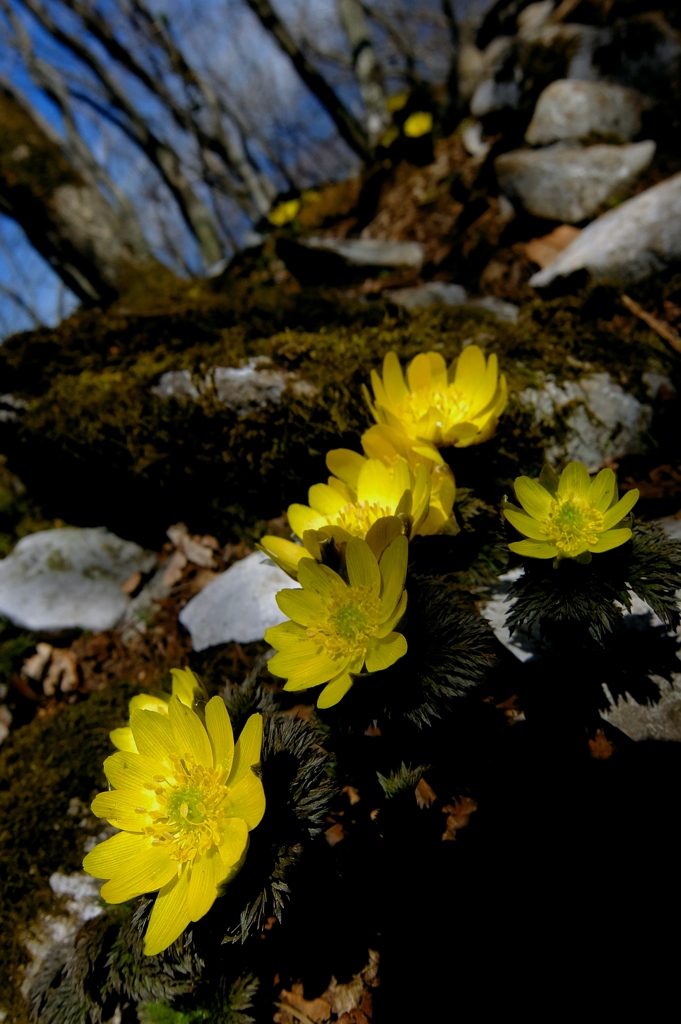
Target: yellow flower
360,492
396,101
418,124
185,686
389,444
459,406
284,213
185,803
338,628
569,516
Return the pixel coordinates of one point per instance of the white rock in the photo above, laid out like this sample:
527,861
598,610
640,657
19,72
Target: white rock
238,606
175,384
569,109
660,721
370,252
605,422
244,388
429,294
570,184
639,238
501,309
69,579
496,609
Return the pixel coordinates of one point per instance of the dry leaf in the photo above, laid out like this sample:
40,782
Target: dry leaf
545,249
600,747
352,794
458,815
34,666
132,583
174,568
425,795
294,1003
334,834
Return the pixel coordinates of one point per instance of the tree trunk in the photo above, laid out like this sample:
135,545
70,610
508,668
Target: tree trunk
366,65
348,126
66,219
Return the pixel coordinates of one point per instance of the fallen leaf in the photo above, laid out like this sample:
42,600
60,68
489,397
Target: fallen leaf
334,834
34,667
545,249
458,815
600,747
425,795
352,795
316,1010
174,568
132,583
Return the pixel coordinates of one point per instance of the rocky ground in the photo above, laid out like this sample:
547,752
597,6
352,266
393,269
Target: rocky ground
149,445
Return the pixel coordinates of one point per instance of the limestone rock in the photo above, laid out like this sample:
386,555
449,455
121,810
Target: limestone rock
639,238
569,109
241,388
238,606
69,579
316,260
428,294
501,309
567,183
660,721
603,421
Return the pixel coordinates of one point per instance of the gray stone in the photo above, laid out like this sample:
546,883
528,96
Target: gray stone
175,384
371,252
496,608
428,295
10,407
660,721
238,606
568,109
571,184
473,142
639,238
69,579
501,309
601,420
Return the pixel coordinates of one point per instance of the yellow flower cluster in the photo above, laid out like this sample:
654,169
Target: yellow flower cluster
343,623
185,797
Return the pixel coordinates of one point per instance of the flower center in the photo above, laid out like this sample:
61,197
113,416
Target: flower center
572,523
358,517
351,617
190,818
450,404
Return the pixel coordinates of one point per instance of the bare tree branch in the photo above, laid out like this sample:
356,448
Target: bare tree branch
366,66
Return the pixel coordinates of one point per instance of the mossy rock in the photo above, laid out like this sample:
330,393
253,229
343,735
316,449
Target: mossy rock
97,446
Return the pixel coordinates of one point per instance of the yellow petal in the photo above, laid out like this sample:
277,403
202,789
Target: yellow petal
393,380
170,916
130,770
393,569
375,485
220,733
325,500
302,518
398,613
334,691
304,606
126,809
186,686
575,480
362,566
610,539
319,578
420,372
190,735
205,874
283,553
534,498
470,370
345,464
601,490
525,524
383,653
383,532
285,635
132,862
438,370
149,702
487,387
623,507
234,845
247,749
303,666
533,548
154,736
123,739
246,800
379,392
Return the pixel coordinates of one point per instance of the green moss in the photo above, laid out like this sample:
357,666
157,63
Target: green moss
44,767
149,462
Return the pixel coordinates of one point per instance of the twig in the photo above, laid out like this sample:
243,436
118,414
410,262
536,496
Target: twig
661,327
